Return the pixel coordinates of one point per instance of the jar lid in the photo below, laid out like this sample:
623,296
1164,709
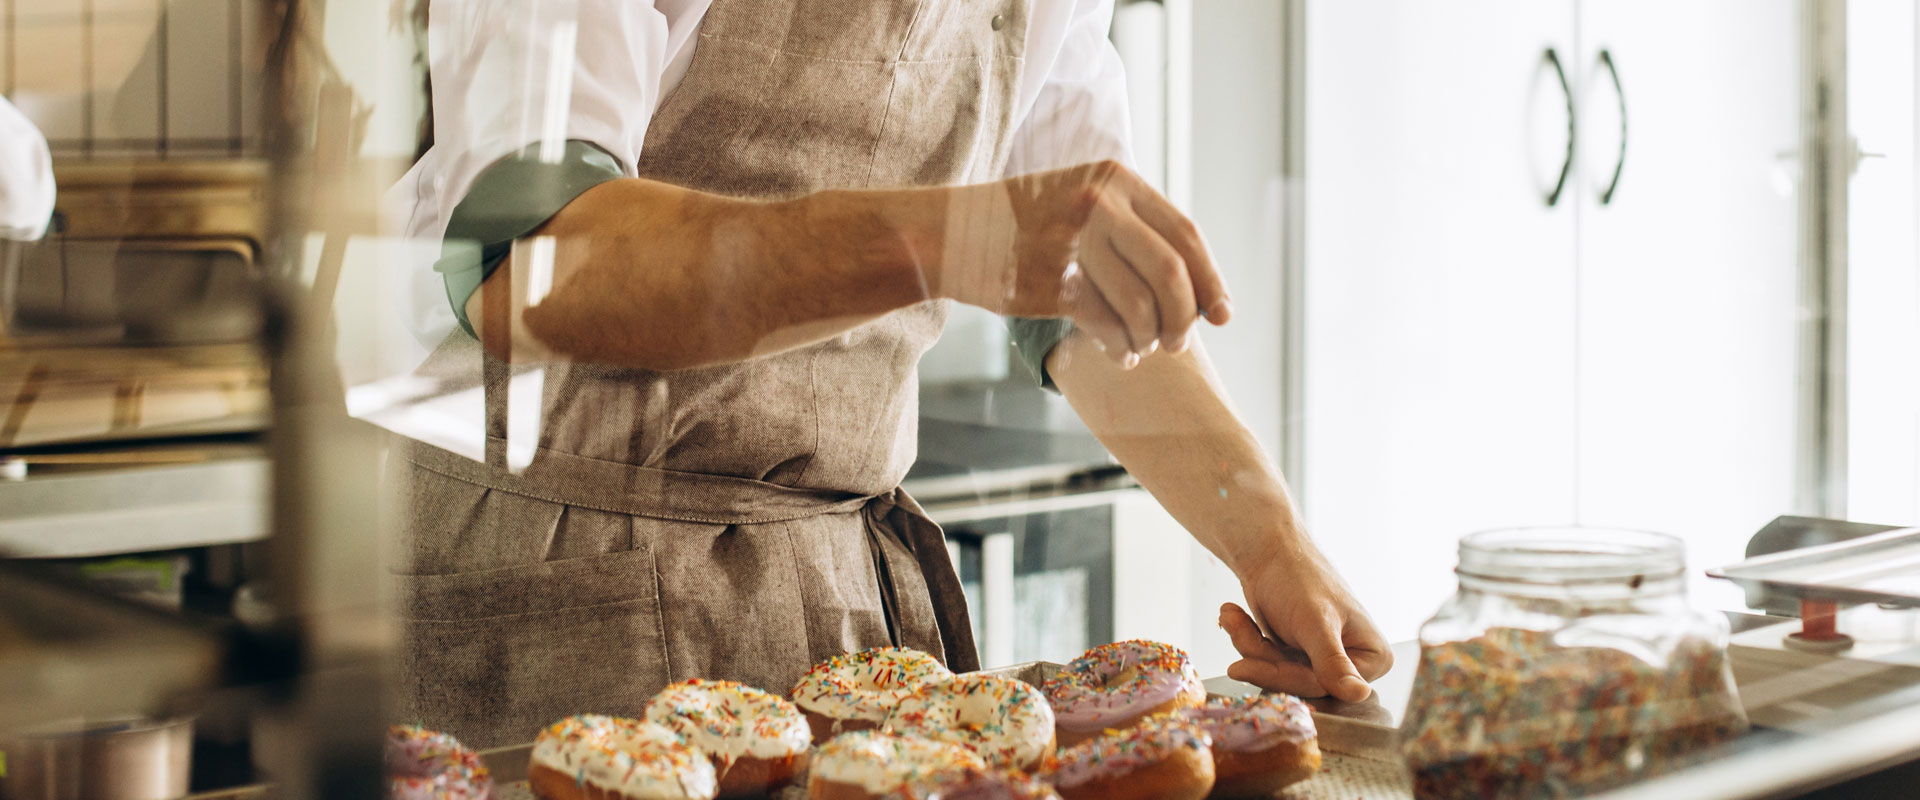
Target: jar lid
1571,555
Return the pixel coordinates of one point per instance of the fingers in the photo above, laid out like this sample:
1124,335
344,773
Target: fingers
1206,286
1163,271
1264,663
1294,679
1369,651
1150,264
1090,312
1247,636
1330,662
1124,292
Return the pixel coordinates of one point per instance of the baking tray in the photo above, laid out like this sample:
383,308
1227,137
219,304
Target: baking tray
1359,760
1882,568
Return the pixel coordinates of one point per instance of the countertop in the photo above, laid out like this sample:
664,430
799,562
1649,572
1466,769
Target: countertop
1818,720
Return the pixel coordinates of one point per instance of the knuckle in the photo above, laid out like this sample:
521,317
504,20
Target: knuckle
1169,270
1142,310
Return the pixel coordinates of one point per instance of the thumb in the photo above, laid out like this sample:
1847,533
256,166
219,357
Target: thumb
1331,665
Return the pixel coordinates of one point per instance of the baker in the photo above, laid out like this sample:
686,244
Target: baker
728,229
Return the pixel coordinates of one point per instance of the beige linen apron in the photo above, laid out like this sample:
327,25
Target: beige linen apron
742,521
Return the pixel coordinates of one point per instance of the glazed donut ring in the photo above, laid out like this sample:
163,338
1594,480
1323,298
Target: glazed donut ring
1006,721
865,765
856,691
1260,743
592,757
426,765
1164,757
1117,685
971,783
758,741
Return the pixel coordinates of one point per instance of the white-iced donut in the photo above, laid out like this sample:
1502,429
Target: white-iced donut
868,764
593,757
856,691
757,740
1006,721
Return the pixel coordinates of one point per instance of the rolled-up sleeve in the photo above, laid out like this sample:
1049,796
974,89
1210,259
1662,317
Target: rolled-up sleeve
533,104
26,177
1079,115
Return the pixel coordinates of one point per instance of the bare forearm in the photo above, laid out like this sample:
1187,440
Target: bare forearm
651,275
1168,421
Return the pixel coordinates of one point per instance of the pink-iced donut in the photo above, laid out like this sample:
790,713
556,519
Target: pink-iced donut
1164,757
426,765
974,783
1260,743
1116,685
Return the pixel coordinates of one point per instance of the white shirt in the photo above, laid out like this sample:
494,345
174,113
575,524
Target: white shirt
26,177
495,91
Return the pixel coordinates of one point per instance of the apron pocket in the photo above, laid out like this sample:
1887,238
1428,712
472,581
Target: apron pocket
493,656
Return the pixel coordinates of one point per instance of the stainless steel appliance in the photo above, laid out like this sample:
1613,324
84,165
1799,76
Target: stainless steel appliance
121,759
1037,565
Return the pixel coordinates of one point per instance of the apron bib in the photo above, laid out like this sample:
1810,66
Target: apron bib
742,521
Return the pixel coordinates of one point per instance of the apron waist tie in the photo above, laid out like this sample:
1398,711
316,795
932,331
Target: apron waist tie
910,552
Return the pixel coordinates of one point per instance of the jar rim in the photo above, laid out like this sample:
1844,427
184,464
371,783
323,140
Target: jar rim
1571,554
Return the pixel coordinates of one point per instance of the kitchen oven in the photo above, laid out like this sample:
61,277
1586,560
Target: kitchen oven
1036,558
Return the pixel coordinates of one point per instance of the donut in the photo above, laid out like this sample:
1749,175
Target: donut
1163,757
972,783
758,741
1005,721
1260,743
856,691
425,765
867,765
592,757
1117,685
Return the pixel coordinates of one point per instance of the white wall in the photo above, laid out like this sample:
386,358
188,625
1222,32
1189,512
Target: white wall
1236,193
1883,273
1236,161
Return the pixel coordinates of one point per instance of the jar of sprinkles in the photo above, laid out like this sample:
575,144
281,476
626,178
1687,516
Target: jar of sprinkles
1568,662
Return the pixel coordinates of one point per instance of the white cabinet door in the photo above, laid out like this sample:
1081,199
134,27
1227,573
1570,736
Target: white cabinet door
1439,384
1687,278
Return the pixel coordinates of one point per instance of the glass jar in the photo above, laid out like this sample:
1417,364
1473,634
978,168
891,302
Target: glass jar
1568,662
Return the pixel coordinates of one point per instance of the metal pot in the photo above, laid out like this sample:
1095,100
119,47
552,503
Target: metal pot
122,759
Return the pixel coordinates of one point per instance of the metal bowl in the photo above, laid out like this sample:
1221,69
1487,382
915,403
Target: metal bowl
119,759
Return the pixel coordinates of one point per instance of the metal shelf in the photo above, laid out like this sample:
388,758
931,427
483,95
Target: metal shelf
136,508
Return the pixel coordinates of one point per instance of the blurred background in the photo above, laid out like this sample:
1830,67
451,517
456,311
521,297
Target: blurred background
1495,263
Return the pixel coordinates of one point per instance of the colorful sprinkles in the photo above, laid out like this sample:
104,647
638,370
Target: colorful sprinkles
1250,724
425,765
866,685
880,763
1114,682
1512,715
626,757
1120,752
1004,720
975,783
731,720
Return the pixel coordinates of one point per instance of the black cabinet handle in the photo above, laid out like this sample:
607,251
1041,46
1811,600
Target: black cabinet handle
1552,57
1620,94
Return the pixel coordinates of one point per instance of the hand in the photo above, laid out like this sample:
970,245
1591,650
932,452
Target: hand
1325,644
1092,243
